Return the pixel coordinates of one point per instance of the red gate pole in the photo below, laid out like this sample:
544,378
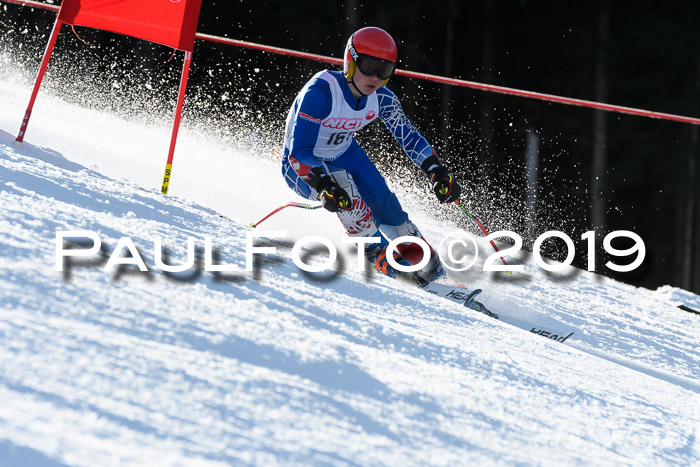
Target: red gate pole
39,78
176,125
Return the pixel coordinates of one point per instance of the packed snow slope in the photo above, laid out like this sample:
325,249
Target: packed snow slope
279,366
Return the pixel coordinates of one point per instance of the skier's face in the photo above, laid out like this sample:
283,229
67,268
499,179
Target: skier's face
366,84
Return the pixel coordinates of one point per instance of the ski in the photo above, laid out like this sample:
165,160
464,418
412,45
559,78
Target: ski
460,295
467,297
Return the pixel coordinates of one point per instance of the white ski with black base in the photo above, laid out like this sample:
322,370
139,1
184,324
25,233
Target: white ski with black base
464,296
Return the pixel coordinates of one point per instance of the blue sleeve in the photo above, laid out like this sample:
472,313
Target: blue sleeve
313,104
410,139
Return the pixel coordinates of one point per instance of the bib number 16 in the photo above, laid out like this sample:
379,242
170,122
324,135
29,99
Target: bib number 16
338,137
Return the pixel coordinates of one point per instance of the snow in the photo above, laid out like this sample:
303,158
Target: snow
278,366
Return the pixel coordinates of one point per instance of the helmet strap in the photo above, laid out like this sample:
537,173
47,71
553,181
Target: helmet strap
352,81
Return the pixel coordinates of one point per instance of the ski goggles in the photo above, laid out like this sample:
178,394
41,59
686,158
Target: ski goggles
370,66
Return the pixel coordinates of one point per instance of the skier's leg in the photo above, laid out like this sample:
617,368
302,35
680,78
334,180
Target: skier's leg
358,222
372,195
390,217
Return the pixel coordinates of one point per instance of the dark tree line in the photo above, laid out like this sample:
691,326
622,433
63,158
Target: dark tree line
592,169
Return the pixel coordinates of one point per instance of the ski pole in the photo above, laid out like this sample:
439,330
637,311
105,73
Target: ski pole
292,204
481,226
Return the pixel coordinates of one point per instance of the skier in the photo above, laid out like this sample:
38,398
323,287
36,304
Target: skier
322,160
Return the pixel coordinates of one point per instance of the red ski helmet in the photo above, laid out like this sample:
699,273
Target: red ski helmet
370,42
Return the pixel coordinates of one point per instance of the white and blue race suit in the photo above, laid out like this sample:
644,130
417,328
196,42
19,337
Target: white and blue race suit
319,133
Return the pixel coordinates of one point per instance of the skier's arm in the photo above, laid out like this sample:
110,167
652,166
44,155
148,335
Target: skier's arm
390,112
443,183
313,105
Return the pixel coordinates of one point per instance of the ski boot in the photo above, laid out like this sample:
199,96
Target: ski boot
413,253
433,270
405,256
381,264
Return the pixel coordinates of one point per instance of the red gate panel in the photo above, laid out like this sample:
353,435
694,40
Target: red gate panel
168,22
